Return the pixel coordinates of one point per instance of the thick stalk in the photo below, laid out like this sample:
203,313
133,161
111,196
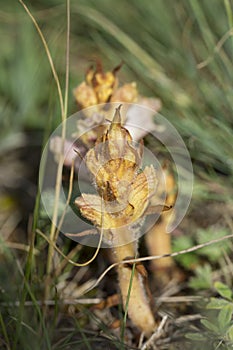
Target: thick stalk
139,308
157,239
159,243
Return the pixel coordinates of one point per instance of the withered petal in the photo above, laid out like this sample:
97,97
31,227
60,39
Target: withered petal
157,209
90,207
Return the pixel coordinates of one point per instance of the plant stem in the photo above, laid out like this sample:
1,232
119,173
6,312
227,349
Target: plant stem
157,239
53,234
138,303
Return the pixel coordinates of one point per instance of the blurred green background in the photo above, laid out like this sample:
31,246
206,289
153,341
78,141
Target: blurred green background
180,51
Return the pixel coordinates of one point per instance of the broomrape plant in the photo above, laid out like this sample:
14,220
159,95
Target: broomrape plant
124,197
126,193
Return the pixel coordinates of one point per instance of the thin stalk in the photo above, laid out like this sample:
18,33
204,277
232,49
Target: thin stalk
85,339
135,300
131,261
64,262
20,246
28,267
127,303
4,332
65,257
63,107
67,59
150,258
38,309
53,234
229,15
67,200
54,72
31,249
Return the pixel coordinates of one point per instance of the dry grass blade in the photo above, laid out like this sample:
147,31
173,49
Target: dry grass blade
216,50
71,180
20,246
155,335
149,258
76,301
47,53
65,257
63,114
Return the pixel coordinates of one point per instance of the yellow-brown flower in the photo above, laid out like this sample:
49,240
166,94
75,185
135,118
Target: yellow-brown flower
124,189
101,90
124,193
97,88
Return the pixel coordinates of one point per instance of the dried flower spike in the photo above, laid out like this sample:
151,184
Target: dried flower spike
124,199
98,86
125,189
101,90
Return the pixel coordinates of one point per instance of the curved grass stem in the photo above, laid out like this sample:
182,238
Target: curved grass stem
63,106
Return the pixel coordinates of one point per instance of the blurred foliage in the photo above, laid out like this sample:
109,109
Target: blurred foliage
179,51
217,330
212,253
202,278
